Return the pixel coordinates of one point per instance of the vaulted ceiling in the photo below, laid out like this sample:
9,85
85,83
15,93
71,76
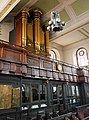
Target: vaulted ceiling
74,12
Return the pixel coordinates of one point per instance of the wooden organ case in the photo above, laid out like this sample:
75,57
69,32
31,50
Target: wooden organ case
29,33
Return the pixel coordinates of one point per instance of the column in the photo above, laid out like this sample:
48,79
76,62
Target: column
47,45
24,25
36,29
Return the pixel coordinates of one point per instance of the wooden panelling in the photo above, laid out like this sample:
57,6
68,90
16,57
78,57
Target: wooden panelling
18,31
47,64
18,69
66,77
54,64
75,78
1,65
88,79
42,73
82,79
33,62
12,55
0,51
61,76
74,71
80,72
6,67
12,67
67,69
29,71
24,57
35,72
23,69
18,61
49,74
70,78
85,72
55,75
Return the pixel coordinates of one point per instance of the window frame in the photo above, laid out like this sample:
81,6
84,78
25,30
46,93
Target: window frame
69,97
53,52
35,104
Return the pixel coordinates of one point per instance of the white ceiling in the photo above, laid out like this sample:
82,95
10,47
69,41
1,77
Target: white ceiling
76,29
6,6
74,12
3,4
71,35
69,38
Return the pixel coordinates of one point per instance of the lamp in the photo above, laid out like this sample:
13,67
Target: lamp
55,23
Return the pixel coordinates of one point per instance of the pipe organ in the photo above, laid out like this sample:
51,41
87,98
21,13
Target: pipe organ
30,82
30,34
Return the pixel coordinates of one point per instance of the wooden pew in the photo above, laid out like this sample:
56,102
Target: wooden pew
61,117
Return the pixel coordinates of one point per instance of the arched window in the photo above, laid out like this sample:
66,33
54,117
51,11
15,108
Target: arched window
52,55
82,57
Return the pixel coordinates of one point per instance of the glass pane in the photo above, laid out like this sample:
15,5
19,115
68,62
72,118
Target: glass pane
66,89
53,55
69,91
74,100
60,91
43,92
54,92
35,92
77,91
25,93
73,90
60,94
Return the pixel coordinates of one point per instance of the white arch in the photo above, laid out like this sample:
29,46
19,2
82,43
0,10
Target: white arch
57,53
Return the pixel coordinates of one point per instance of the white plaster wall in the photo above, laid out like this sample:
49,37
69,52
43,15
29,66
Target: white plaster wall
5,29
70,50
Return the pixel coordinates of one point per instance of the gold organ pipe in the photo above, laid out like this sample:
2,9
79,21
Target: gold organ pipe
42,41
24,25
47,46
36,28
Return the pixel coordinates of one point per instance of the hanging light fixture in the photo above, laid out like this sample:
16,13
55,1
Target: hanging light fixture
55,23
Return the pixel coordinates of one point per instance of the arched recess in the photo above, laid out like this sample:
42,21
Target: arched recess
82,57
57,53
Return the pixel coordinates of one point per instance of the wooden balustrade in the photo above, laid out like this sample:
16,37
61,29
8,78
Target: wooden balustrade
18,61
